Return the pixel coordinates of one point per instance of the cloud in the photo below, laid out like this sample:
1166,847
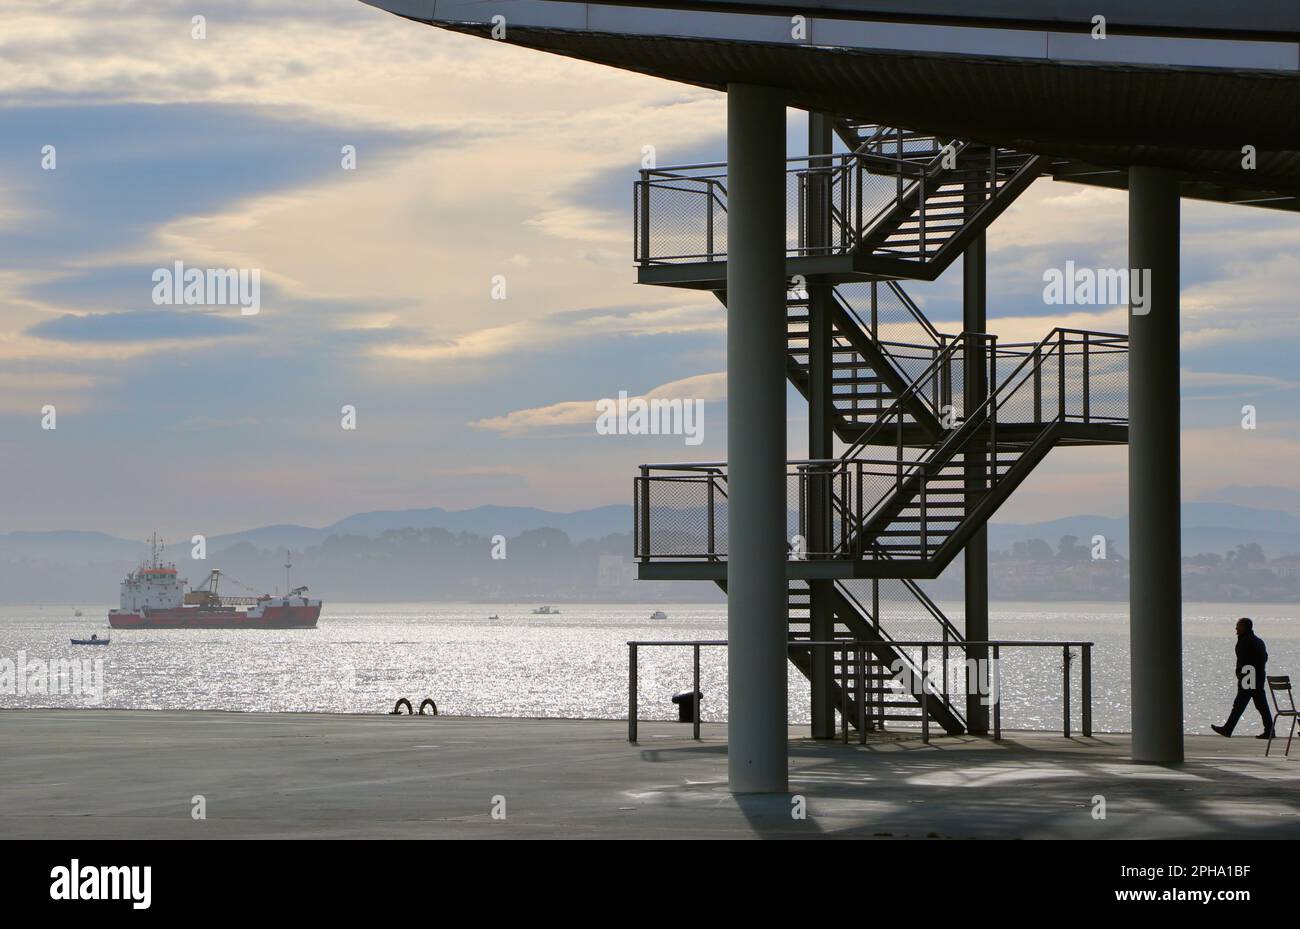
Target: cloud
1033,329
474,159
140,326
1228,385
1250,296
707,387
1228,455
205,423
1239,272
327,59
24,392
540,335
577,223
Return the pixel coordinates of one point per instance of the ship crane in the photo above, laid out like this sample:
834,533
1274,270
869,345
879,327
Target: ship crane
206,593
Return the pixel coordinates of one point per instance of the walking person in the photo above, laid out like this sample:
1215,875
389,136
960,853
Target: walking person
1252,656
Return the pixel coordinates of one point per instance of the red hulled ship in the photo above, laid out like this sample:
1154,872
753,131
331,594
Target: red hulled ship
154,597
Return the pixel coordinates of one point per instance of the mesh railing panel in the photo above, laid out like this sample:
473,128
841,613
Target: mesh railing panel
1108,382
686,220
1073,380
675,210
677,508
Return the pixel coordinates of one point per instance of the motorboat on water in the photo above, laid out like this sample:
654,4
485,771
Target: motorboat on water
93,640
546,611
658,614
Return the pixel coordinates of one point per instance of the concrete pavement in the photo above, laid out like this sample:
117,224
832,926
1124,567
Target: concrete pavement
136,774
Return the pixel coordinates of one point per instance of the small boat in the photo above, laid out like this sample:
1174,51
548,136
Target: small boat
546,611
658,614
494,616
93,640
77,613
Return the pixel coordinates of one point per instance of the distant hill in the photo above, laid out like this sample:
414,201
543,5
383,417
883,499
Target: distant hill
74,565
490,520
67,545
1207,527
70,564
1259,497
481,520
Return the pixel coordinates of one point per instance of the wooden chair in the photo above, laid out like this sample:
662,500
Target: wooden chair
1279,684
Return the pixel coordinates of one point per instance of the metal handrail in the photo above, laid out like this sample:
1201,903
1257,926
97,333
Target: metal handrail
999,397
860,648
847,170
852,509
985,412
938,339
1001,392
940,451
930,606
944,624
915,310
896,411
919,172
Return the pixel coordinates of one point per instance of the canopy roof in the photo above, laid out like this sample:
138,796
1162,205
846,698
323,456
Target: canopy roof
1184,85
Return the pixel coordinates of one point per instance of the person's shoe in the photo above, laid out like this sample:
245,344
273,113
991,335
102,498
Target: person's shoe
1264,735
1222,731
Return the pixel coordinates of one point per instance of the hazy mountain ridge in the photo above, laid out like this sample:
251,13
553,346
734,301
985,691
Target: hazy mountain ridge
1218,526
434,553
481,520
1206,527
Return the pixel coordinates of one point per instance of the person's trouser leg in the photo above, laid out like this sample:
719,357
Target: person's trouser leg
1261,704
1239,704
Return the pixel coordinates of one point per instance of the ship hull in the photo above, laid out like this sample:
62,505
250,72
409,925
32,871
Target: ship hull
270,617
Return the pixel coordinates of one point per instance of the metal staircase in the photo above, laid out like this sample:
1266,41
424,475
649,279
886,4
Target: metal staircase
907,515
939,429
918,510
891,677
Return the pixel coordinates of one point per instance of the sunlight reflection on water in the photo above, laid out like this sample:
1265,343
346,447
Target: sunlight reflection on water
364,656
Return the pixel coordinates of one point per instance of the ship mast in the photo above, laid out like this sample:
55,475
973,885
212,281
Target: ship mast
288,563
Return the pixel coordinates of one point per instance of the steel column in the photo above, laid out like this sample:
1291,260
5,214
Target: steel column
1155,594
757,609
821,413
976,554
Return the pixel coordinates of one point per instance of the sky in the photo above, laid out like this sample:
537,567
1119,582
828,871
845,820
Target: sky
479,167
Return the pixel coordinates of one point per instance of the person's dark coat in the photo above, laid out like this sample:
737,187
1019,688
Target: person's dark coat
1251,653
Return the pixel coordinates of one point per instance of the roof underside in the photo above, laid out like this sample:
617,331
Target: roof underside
1094,119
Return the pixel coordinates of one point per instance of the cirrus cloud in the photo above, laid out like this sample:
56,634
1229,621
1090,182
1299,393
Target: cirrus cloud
568,413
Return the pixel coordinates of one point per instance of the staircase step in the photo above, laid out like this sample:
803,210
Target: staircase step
932,227
894,243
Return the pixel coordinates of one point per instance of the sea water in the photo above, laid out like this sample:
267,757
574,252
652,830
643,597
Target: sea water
363,657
